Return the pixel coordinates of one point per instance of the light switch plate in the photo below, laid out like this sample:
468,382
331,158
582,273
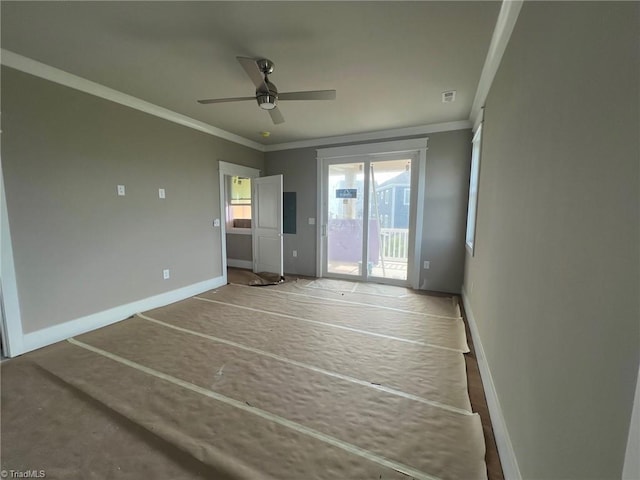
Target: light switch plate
161,193
312,221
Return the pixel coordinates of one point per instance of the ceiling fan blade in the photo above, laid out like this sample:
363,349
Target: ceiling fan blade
225,100
251,67
311,95
276,116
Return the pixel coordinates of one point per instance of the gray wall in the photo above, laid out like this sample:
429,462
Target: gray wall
444,210
239,246
80,249
554,282
298,168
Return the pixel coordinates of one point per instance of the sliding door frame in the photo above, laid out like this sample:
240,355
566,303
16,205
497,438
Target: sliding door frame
416,150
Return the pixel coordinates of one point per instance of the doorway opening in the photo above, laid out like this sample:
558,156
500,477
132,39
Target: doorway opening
251,226
236,215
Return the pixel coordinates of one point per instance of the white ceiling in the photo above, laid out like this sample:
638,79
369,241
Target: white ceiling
389,61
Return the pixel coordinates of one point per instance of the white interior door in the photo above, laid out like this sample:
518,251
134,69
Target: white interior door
267,224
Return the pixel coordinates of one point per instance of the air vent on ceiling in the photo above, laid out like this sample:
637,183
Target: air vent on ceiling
448,97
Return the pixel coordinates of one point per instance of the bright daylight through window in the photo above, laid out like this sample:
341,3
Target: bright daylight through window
473,189
238,202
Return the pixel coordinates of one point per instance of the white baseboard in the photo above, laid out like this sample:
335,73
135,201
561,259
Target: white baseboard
503,442
57,333
232,262
631,468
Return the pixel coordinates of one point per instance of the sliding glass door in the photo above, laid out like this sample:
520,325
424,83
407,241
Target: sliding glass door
369,218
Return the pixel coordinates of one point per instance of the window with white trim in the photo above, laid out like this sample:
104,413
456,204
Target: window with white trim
238,202
473,189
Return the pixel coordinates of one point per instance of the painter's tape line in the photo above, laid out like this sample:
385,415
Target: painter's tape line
352,290
352,302
329,373
353,449
333,325
324,303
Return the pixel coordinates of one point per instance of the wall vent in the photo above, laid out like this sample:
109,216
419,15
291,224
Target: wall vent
448,97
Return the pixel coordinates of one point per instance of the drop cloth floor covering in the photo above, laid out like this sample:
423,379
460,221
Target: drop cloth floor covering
295,381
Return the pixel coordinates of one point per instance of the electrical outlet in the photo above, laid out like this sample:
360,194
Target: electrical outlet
166,274
427,264
161,193
295,253
216,222
121,191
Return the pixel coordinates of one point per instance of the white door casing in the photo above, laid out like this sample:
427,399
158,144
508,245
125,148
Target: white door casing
267,224
229,169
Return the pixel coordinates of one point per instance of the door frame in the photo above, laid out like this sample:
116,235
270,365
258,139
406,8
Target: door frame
230,169
10,314
417,149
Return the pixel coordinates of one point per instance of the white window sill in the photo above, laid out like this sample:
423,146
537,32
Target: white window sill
239,231
469,247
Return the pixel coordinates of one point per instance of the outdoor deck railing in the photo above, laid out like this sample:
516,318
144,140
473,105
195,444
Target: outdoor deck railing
395,243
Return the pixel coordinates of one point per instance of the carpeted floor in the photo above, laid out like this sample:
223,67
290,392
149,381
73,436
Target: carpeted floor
305,379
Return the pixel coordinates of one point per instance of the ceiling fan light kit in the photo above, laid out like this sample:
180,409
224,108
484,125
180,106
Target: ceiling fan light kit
267,94
266,101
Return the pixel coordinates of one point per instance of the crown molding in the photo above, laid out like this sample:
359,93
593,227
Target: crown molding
38,69
47,72
507,18
377,135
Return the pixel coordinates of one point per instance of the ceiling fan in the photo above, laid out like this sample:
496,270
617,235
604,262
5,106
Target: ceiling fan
266,92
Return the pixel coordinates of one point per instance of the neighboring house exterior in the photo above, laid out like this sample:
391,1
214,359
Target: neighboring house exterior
393,201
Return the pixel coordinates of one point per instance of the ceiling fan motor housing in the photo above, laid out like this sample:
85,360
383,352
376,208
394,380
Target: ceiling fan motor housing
265,65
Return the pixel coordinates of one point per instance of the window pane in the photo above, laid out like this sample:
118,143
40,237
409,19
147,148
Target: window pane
240,191
473,189
238,202
389,223
345,223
